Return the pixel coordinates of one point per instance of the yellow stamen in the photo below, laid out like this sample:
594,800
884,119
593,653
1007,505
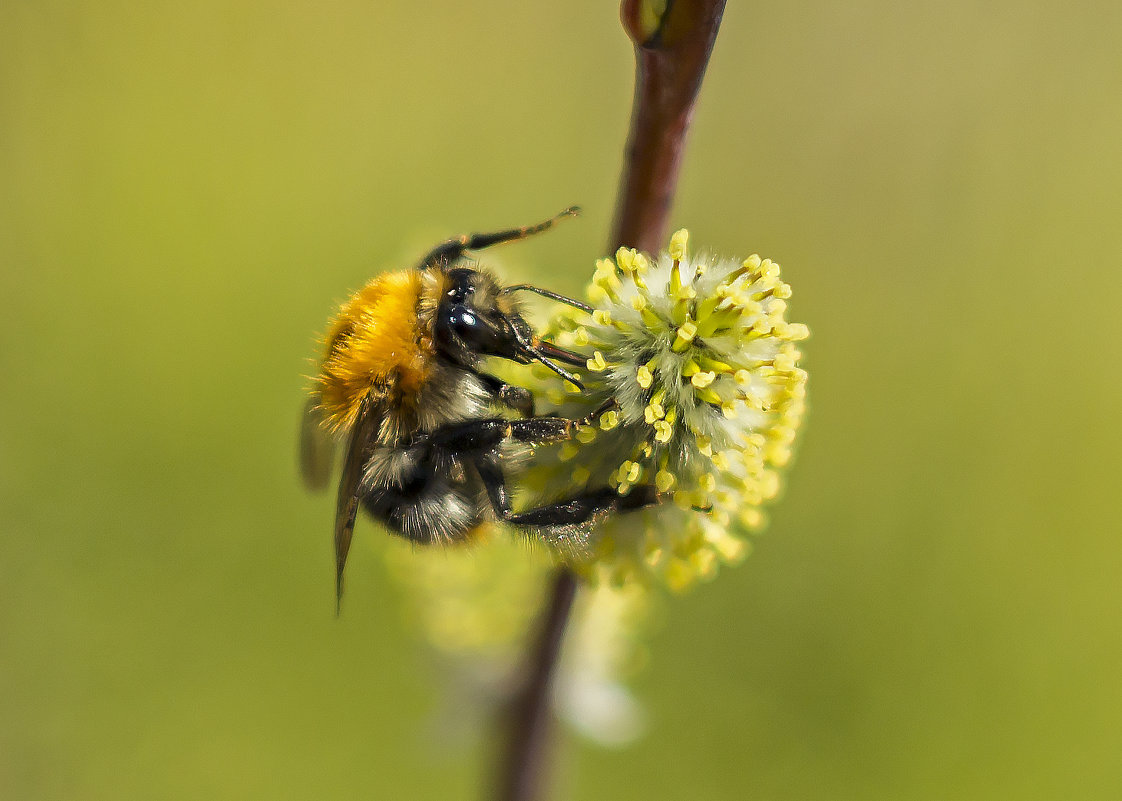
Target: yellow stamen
686,332
678,240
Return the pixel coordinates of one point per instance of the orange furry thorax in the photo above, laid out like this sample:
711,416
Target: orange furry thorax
376,343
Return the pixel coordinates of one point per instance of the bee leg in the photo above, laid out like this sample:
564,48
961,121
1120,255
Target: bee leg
518,398
448,252
480,436
584,506
572,511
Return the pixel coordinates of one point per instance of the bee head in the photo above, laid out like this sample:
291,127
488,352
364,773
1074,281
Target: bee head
476,317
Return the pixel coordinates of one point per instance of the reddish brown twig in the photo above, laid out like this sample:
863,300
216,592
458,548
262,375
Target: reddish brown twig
524,765
671,52
670,61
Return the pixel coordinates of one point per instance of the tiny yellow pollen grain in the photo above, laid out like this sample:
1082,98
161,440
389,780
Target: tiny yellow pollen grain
602,317
609,420
664,480
779,455
604,268
685,335
611,287
567,451
751,518
784,362
797,331
644,377
679,575
703,379
683,500
730,548
597,363
663,431
769,484
704,562
678,240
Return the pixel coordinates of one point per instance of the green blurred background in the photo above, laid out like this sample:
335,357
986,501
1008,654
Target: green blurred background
186,189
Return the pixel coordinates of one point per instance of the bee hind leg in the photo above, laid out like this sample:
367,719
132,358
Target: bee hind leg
572,511
518,398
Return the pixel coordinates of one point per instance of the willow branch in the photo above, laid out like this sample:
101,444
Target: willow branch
671,53
673,40
524,766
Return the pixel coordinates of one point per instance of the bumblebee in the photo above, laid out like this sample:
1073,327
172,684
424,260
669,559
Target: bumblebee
402,384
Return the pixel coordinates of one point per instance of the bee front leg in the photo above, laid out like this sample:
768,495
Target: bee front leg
518,398
484,435
480,436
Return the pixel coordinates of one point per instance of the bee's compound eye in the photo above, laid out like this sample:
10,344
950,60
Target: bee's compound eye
467,329
463,322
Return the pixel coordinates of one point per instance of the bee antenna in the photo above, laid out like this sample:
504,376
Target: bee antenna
534,353
576,304
540,357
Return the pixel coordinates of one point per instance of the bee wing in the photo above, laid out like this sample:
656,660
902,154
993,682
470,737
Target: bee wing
358,448
317,448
